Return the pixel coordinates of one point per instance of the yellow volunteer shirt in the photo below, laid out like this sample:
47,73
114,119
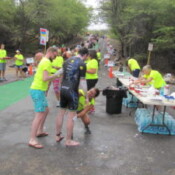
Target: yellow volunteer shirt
57,62
92,64
157,81
38,83
87,60
20,60
82,100
133,64
3,53
99,55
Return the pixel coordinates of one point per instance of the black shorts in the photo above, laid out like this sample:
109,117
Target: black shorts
68,99
91,83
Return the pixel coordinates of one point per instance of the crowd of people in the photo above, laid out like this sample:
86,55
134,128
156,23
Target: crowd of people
73,74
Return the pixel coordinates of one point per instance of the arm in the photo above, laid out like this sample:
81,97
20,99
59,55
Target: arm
83,85
91,71
143,80
84,111
47,77
57,68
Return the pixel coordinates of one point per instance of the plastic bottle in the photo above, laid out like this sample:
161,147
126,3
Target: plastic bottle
166,90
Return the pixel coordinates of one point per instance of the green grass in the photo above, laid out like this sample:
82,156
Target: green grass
12,92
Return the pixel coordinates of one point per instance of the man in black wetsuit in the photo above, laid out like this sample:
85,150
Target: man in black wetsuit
74,70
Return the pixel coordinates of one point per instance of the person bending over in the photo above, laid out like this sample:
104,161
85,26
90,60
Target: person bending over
85,107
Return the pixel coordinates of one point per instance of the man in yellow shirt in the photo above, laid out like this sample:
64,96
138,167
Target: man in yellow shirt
38,93
134,67
19,62
3,54
152,77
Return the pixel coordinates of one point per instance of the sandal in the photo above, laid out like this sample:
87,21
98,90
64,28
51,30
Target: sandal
60,137
36,146
72,143
43,134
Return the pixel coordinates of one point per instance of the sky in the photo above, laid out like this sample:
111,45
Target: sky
96,26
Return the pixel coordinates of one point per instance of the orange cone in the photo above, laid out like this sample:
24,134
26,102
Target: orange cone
30,70
106,62
110,74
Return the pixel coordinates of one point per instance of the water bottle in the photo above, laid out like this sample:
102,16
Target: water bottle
166,90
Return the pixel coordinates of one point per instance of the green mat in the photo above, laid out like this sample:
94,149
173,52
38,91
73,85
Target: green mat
13,92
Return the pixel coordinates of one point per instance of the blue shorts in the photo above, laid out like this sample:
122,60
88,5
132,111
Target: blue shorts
39,100
2,66
19,67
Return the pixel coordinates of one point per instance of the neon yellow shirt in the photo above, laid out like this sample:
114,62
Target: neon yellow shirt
99,55
20,60
38,83
87,60
3,53
133,64
57,62
157,81
92,64
82,100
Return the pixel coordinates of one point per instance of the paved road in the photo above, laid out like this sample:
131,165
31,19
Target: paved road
115,147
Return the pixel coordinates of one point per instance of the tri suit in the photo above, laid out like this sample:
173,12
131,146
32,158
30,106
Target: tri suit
73,69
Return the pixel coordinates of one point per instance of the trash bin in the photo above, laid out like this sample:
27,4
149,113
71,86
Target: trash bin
114,99
118,83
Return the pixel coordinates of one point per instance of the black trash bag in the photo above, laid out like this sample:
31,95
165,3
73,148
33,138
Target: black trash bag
113,93
114,97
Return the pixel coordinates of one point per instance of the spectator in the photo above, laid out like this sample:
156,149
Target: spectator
19,62
3,54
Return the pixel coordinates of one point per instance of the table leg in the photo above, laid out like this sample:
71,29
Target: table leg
158,125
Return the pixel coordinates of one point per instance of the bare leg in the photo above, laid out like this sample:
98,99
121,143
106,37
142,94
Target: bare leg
3,74
35,125
41,126
57,94
59,123
70,125
21,73
16,72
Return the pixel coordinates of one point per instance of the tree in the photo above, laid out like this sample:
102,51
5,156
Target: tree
22,21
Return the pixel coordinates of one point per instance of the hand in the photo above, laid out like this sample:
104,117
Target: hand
59,72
